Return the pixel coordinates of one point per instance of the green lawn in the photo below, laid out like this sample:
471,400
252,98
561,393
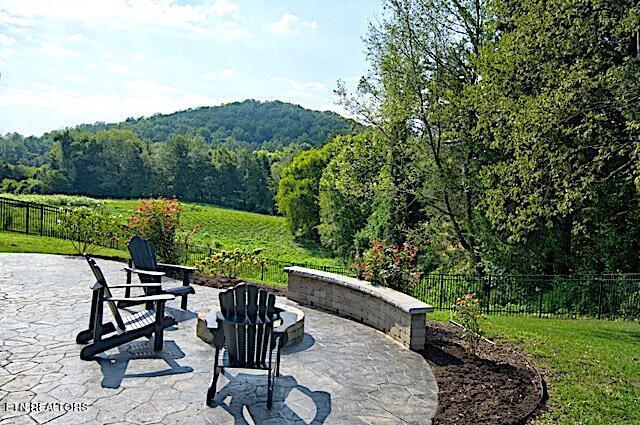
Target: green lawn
228,228
15,242
592,367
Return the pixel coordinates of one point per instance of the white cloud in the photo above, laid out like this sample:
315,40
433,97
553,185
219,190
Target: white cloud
5,53
81,38
290,22
122,14
11,20
55,50
116,68
75,78
225,74
312,25
302,86
6,40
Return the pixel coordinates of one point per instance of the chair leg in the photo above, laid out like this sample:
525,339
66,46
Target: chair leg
278,357
211,393
269,390
183,302
159,328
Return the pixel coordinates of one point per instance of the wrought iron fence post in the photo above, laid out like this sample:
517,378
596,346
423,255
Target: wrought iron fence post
41,218
441,291
262,271
599,296
540,304
487,292
27,219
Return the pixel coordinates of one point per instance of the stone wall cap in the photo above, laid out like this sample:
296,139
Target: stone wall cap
391,296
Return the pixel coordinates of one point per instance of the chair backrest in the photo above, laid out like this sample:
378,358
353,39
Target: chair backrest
249,314
144,258
100,280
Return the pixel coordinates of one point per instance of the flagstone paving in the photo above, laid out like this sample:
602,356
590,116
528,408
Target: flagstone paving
341,373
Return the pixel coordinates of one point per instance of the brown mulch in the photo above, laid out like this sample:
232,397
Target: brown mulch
495,386
222,282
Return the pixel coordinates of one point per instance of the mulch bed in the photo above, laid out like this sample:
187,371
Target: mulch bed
497,385
222,282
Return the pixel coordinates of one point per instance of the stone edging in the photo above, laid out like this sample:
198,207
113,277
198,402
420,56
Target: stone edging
397,299
394,313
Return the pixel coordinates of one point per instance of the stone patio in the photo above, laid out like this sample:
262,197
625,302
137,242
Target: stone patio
342,372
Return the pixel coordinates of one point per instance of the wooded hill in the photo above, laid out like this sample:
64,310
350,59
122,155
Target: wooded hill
230,155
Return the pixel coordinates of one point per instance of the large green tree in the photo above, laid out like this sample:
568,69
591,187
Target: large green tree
559,115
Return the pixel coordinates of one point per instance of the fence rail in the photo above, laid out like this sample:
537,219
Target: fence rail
597,295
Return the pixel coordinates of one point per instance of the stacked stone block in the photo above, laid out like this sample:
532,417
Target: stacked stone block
392,312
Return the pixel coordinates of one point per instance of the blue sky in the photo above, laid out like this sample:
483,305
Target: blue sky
69,62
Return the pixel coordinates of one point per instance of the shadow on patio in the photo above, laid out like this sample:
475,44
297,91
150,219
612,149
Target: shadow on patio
244,397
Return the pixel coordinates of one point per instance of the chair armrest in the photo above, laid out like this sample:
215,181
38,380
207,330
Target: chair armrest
288,320
144,272
160,297
138,285
177,267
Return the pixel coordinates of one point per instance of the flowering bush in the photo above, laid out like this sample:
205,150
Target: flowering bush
158,220
393,266
87,228
229,263
466,311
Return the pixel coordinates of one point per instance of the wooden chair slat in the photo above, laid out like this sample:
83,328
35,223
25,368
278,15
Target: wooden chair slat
241,301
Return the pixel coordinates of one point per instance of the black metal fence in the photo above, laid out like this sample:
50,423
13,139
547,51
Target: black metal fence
29,218
597,295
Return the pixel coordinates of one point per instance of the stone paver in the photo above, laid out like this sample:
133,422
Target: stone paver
341,373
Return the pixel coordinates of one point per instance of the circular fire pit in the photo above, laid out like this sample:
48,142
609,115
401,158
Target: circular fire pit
207,319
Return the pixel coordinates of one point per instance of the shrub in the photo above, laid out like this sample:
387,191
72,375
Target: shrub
393,266
158,221
88,228
466,312
229,263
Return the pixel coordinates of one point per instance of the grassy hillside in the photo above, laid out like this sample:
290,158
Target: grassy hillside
226,228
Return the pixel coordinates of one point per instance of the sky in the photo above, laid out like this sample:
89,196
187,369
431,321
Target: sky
67,62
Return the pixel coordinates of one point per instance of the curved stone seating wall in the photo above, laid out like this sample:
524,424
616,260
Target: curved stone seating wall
400,316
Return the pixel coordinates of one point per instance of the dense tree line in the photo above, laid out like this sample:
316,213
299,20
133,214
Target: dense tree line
504,136
231,155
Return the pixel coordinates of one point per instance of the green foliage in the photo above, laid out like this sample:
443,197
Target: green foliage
87,228
352,199
158,220
558,103
393,266
466,312
298,189
229,263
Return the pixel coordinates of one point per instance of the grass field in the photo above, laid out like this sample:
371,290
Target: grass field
15,242
228,229
592,367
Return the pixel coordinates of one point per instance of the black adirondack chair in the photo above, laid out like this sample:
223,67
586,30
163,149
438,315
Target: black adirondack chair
152,320
144,258
250,327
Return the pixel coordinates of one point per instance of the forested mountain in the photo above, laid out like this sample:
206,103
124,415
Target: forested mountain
230,155
269,125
